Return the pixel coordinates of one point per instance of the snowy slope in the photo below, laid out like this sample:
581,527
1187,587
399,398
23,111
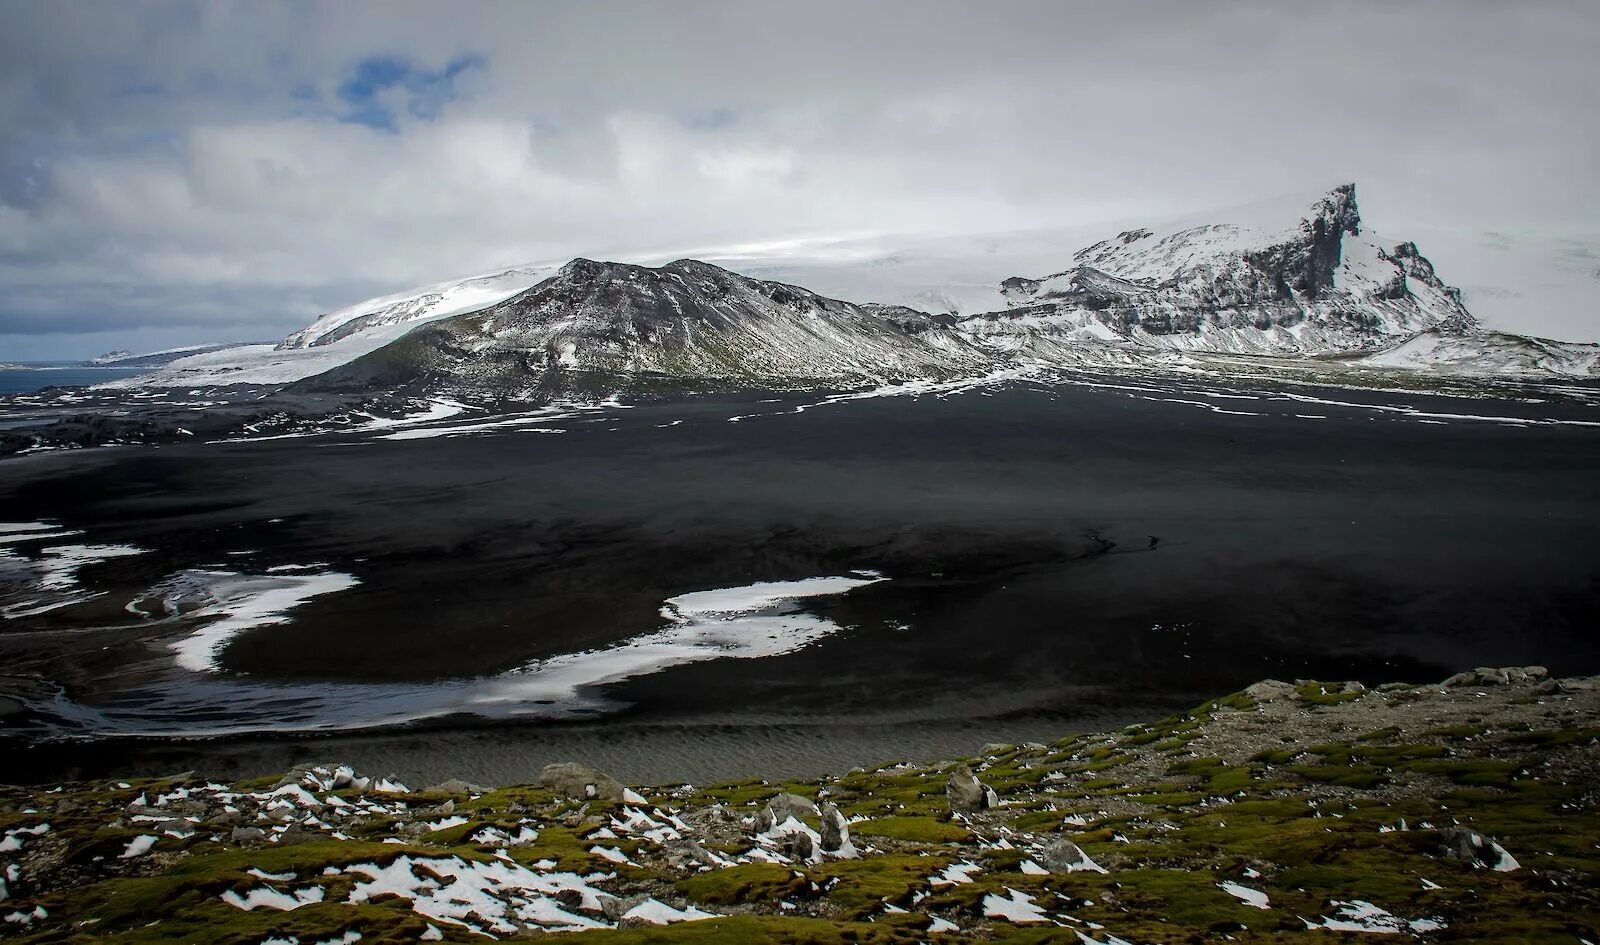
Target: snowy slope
1275,278
341,336
422,305
151,359
1541,284
1492,353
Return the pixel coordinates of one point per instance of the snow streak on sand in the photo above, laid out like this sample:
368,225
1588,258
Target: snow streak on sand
743,622
239,602
749,622
44,577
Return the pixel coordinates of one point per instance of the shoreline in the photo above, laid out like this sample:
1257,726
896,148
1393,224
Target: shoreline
1457,808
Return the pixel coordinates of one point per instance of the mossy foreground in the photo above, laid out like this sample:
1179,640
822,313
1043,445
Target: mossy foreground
1318,812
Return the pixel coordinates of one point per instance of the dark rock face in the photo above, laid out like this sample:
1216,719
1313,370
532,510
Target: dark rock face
687,321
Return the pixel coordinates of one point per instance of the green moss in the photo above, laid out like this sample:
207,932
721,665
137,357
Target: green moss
1323,693
1351,776
746,883
764,930
860,887
913,829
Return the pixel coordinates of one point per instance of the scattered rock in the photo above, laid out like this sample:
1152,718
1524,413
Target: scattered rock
247,835
580,782
835,829
458,786
570,899
781,808
966,792
615,907
1501,676
799,846
227,818
1474,849
1064,856
1269,690
994,748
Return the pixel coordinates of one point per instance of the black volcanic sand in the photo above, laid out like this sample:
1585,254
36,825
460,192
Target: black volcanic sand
1015,524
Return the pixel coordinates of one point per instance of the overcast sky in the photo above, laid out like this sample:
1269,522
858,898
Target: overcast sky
173,171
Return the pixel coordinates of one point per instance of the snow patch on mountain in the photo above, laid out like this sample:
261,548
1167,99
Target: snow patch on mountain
417,307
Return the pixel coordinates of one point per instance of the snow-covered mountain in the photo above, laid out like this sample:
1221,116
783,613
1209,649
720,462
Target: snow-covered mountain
1299,278
1271,281
687,320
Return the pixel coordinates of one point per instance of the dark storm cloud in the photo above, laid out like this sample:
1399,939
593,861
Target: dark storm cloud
167,163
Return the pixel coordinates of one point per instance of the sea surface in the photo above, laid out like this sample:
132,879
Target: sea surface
1026,560
37,375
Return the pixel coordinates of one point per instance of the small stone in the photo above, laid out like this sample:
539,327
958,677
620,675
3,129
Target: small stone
835,829
785,806
966,793
247,835
1269,690
580,782
615,907
458,786
1062,856
570,899
800,846
227,818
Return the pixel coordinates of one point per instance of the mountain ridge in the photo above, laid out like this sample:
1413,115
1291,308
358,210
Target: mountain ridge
1271,279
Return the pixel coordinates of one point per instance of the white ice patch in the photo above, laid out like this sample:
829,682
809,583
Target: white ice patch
265,897
659,913
13,840
138,846
955,874
504,897
739,622
241,602
1358,915
1246,895
1018,907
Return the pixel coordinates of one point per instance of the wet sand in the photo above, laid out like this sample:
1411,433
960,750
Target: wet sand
1023,600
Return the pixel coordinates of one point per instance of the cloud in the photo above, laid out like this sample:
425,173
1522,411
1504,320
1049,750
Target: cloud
217,168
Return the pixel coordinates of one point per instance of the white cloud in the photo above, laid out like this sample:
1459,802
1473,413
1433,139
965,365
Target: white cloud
183,164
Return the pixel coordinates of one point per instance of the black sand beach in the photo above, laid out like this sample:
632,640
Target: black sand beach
1058,558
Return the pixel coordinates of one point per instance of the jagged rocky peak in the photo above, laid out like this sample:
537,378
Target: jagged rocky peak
1272,278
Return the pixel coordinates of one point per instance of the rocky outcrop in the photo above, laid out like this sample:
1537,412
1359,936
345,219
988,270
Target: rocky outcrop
966,793
1313,284
580,782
